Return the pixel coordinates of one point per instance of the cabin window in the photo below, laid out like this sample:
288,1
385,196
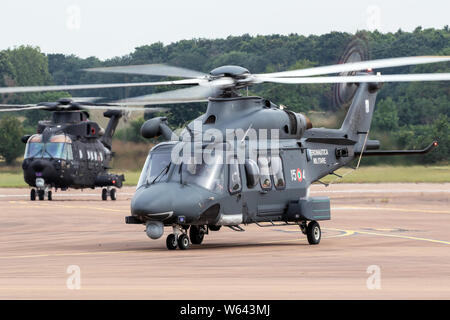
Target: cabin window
211,120
101,156
234,184
263,164
276,169
81,154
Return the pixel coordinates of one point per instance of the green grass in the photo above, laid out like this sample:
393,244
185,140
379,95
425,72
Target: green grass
368,174
379,174
131,177
12,180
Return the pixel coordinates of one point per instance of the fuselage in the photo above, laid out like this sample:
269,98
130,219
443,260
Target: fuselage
257,171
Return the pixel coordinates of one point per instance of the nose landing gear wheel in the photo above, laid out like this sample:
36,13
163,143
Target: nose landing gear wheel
171,242
41,194
183,242
313,232
33,194
196,233
49,195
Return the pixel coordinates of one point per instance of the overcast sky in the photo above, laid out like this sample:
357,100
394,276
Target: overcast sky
108,28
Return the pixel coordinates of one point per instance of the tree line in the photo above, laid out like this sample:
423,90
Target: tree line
407,115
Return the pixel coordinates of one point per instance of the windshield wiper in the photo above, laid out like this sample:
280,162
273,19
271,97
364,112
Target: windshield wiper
35,154
165,170
46,151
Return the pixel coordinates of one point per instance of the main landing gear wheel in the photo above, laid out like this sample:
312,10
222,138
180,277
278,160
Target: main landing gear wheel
313,232
41,194
183,242
196,233
33,194
49,196
112,194
104,194
171,242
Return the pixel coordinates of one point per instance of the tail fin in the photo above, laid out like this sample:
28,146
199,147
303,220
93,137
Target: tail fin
357,122
114,116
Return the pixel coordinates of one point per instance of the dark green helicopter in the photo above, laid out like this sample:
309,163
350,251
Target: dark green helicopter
70,151
248,160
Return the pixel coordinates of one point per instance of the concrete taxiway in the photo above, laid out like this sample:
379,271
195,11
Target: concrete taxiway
385,241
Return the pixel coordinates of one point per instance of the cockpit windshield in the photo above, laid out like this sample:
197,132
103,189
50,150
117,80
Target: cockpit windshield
159,168
59,147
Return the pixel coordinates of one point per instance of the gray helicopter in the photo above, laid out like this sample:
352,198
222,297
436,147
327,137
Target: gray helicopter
248,160
255,160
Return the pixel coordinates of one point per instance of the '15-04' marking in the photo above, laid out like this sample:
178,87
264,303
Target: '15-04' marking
297,174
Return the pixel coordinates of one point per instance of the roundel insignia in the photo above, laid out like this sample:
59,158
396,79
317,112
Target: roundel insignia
299,175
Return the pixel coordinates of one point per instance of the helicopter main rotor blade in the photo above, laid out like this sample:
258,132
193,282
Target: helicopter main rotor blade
84,99
359,79
356,66
98,86
151,69
124,108
18,107
186,95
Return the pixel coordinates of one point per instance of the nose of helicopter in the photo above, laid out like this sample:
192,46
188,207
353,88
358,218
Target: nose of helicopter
40,168
164,200
39,165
